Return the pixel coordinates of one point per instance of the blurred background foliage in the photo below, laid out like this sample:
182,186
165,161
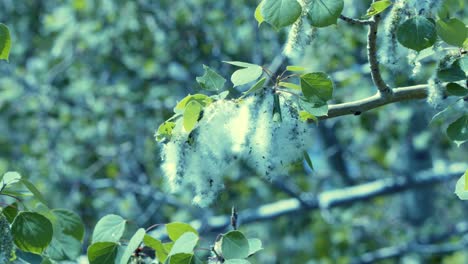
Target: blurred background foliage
89,82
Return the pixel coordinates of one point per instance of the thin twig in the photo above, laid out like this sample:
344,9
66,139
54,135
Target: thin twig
384,89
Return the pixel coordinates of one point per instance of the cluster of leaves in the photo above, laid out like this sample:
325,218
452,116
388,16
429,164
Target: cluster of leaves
310,95
110,232
55,234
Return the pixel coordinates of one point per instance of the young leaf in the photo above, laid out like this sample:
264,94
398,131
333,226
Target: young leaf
165,131
258,13
417,33
133,244
377,8
316,109
32,232
324,13
103,253
184,244
180,258
257,86
211,80
293,68
191,114
277,109
461,188
305,116
109,229
281,13
249,73
308,160
317,86
290,86
202,99
234,245
452,31
10,177
177,229
458,130
5,42
157,245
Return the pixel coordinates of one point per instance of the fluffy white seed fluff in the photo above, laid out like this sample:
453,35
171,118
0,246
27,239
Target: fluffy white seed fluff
300,35
230,132
435,92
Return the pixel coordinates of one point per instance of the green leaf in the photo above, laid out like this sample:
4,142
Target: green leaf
290,85
165,131
211,80
177,229
305,116
34,190
258,13
202,99
70,223
10,212
308,160
133,244
293,68
324,13
180,258
184,244
456,89
5,42
103,253
317,108
257,86
281,13
458,130
461,188
32,232
220,96
157,245
417,33
377,8
68,235
10,178
452,31
110,228
277,116
452,73
255,245
234,245
191,115
63,247
249,73
236,261
317,87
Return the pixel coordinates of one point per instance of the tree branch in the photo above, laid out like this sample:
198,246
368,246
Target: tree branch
330,199
354,21
384,89
377,100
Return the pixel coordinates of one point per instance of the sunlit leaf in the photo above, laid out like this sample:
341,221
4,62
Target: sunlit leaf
377,8
5,42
